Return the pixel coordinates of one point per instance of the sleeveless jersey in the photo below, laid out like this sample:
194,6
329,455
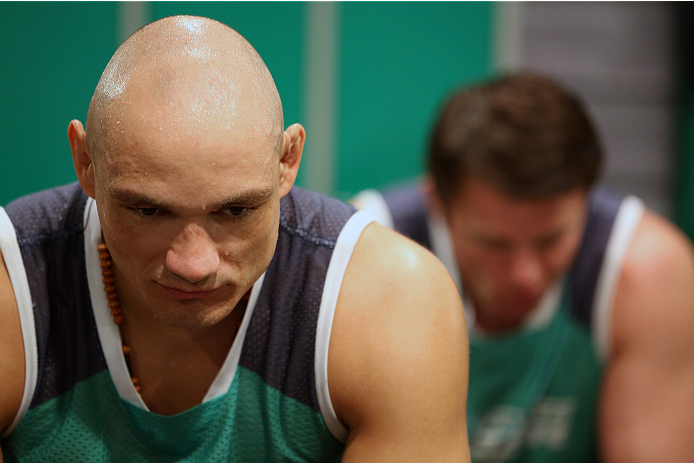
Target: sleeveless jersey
270,401
533,393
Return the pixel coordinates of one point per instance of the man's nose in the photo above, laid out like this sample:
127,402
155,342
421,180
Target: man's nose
526,271
193,254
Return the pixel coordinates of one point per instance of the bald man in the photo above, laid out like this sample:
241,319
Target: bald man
185,303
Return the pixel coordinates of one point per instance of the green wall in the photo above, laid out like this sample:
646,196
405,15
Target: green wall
399,60
394,61
51,58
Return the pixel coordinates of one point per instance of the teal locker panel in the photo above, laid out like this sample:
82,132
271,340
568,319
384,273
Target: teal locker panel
52,57
399,60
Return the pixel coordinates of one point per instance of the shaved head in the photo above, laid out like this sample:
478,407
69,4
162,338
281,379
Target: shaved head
184,71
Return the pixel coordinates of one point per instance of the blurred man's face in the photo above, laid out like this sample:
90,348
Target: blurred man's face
511,251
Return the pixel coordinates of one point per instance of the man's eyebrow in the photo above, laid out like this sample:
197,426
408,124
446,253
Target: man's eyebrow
247,198
135,199
250,197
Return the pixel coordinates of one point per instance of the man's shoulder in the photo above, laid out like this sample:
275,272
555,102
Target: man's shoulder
399,344
656,287
392,274
657,246
11,351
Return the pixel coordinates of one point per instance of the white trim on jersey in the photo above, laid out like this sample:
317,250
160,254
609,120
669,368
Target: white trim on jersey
222,382
628,217
22,294
373,202
344,247
109,334
442,247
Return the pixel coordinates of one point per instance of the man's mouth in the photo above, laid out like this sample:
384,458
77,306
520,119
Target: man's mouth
188,293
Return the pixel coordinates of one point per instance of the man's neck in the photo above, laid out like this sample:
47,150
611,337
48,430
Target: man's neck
174,366
499,323
175,370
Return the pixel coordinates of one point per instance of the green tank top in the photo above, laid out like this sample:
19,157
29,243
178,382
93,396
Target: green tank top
533,394
265,426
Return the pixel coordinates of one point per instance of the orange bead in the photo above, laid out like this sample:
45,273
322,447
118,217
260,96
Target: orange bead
126,349
117,319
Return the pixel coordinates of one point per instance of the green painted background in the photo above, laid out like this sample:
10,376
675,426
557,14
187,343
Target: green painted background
396,61
51,58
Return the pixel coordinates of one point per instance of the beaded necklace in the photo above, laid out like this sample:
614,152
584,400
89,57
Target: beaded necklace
114,305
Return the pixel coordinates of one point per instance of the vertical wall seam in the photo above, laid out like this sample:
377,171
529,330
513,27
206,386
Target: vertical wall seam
507,36
320,95
131,17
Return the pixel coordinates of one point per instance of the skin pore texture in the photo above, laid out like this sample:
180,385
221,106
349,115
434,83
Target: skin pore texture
510,251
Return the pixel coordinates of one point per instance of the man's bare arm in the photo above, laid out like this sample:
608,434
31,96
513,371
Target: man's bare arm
11,353
398,359
647,403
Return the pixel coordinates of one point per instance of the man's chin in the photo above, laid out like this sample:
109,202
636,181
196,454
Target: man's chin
191,314
521,307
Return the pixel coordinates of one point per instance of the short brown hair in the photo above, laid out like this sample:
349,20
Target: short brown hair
522,133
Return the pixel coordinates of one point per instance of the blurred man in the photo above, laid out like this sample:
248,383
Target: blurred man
580,304
183,302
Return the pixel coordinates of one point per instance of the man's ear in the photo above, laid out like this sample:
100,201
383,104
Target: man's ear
81,157
292,147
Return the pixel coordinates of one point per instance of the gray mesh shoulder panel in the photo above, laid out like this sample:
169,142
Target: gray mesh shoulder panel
49,228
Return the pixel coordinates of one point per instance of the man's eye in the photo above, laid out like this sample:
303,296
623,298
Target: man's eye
548,242
145,211
496,245
236,212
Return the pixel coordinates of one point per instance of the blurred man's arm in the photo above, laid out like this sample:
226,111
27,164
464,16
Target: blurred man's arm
11,353
647,403
398,359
